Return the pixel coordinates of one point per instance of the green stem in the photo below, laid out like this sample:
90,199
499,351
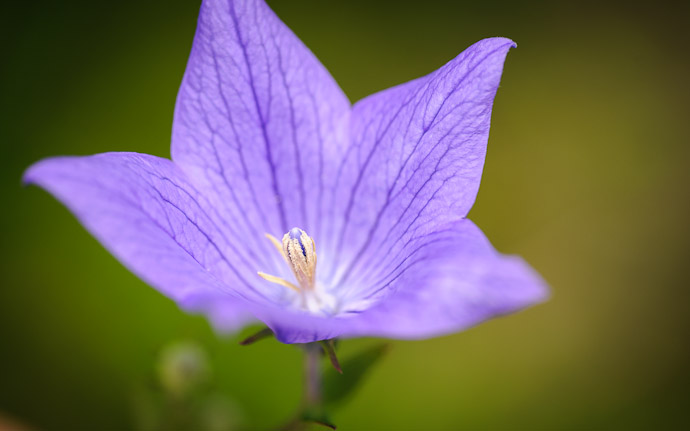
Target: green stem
312,376
311,397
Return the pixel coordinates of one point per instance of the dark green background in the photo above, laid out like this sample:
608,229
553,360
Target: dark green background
587,177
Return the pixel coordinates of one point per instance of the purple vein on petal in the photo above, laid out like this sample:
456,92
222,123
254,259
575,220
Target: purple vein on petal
431,80
293,135
360,175
243,163
214,147
382,267
319,137
229,243
262,120
208,238
409,205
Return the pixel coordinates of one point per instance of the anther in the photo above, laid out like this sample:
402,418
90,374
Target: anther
299,251
296,234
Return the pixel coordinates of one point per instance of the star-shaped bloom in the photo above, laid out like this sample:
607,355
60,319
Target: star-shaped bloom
272,166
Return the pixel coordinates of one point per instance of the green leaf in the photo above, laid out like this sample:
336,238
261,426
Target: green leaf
317,416
337,387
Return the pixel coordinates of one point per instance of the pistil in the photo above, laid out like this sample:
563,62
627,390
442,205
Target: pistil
299,251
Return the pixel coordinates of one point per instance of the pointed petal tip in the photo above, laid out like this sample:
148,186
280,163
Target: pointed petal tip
511,43
540,292
499,44
27,179
38,172
530,287
29,176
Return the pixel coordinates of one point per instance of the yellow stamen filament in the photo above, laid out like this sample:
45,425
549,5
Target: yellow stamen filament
278,280
278,245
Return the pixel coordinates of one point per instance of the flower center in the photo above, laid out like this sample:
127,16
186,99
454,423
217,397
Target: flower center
298,250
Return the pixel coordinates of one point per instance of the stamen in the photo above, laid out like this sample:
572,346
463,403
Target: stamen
299,248
299,251
278,280
278,245
296,233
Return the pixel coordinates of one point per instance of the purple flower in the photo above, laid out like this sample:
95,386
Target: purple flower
266,146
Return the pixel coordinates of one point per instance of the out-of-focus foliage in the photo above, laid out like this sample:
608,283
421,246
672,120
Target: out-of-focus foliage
337,387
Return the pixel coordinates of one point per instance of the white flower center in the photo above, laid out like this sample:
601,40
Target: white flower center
299,252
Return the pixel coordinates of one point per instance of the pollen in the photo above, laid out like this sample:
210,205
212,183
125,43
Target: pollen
299,252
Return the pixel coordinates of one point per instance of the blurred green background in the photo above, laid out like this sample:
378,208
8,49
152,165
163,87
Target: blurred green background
587,177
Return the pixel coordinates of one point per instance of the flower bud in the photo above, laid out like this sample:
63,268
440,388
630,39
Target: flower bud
182,367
